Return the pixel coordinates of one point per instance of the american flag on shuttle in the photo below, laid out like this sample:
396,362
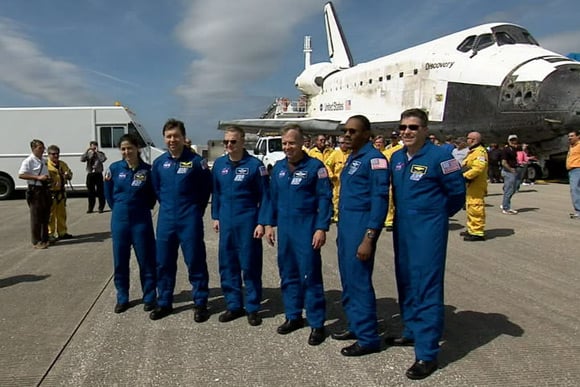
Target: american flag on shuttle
378,163
347,104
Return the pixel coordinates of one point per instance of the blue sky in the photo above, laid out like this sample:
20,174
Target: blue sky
205,61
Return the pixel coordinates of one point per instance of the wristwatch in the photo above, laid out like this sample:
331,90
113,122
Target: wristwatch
371,234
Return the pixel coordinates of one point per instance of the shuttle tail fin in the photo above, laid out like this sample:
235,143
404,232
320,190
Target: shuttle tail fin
338,50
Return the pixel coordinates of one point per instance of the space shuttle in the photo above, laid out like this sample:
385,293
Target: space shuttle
494,78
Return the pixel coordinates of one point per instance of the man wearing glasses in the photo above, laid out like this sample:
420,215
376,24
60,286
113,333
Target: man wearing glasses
60,175
509,173
239,209
362,211
428,188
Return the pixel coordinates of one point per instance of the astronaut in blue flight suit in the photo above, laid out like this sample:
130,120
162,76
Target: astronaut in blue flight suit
428,188
362,207
301,197
130,196
239,207
182,182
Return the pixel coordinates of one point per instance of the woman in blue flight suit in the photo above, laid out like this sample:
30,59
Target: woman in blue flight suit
130,195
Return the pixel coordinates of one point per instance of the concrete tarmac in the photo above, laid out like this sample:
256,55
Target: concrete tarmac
512,311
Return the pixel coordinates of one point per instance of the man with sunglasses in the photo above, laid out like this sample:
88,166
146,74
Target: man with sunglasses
239,209
362,209
428,188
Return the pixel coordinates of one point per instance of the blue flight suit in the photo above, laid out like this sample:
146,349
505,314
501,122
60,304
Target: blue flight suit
129,193
301,204
183,187
363,204
427,190
240,201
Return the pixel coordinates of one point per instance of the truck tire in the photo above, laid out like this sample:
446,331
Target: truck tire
6,187
534,172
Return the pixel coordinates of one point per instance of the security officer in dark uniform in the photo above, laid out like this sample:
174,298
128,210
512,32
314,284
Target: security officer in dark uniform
130,196
362,208
301,196
182,182
240,211
428,188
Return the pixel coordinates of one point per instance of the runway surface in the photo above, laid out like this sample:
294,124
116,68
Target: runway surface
512,311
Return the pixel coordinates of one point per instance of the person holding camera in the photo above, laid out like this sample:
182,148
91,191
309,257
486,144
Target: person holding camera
35,170
94,159
60,174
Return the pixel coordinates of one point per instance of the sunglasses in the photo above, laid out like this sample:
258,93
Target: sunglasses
349,131
233,142
410,127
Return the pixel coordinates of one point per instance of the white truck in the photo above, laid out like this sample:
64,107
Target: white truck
71,129
269,150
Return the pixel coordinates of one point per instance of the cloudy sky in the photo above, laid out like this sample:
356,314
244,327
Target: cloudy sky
205,61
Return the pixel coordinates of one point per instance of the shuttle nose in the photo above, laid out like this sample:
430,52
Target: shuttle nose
556,97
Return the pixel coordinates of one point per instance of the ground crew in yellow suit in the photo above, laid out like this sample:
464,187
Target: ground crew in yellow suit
475,174
320,151
334,164
60,174
388,152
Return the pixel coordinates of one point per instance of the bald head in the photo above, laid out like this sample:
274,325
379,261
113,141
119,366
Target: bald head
473,139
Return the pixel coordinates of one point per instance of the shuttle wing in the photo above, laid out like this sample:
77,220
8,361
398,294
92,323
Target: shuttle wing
308,125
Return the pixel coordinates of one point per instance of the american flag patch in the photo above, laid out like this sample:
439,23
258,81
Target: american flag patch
450,166
203,164
263,171
322,173
378,163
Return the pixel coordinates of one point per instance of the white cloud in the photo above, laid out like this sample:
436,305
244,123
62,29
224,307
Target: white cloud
236,43
563,42
27,70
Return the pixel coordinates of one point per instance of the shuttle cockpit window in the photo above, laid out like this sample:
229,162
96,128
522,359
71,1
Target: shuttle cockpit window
467,44
503,37
483,41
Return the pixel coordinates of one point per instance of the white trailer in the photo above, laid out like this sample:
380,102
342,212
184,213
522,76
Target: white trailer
71,129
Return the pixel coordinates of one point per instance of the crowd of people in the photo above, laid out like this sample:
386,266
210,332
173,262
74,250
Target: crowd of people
410,186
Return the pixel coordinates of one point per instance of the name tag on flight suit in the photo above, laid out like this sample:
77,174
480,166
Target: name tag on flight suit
417,172
184,167
298,177
241,174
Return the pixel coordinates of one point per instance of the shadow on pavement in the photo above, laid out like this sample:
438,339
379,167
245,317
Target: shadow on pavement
9,281
499,233
465,331
85,238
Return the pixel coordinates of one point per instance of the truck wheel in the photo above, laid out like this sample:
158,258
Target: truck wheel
6,187
534,172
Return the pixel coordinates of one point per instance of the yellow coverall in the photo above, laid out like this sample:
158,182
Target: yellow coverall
475,173
317,154
334,164
57,223
388,152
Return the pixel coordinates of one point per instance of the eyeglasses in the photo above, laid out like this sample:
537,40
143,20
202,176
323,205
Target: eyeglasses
410,127
233,142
